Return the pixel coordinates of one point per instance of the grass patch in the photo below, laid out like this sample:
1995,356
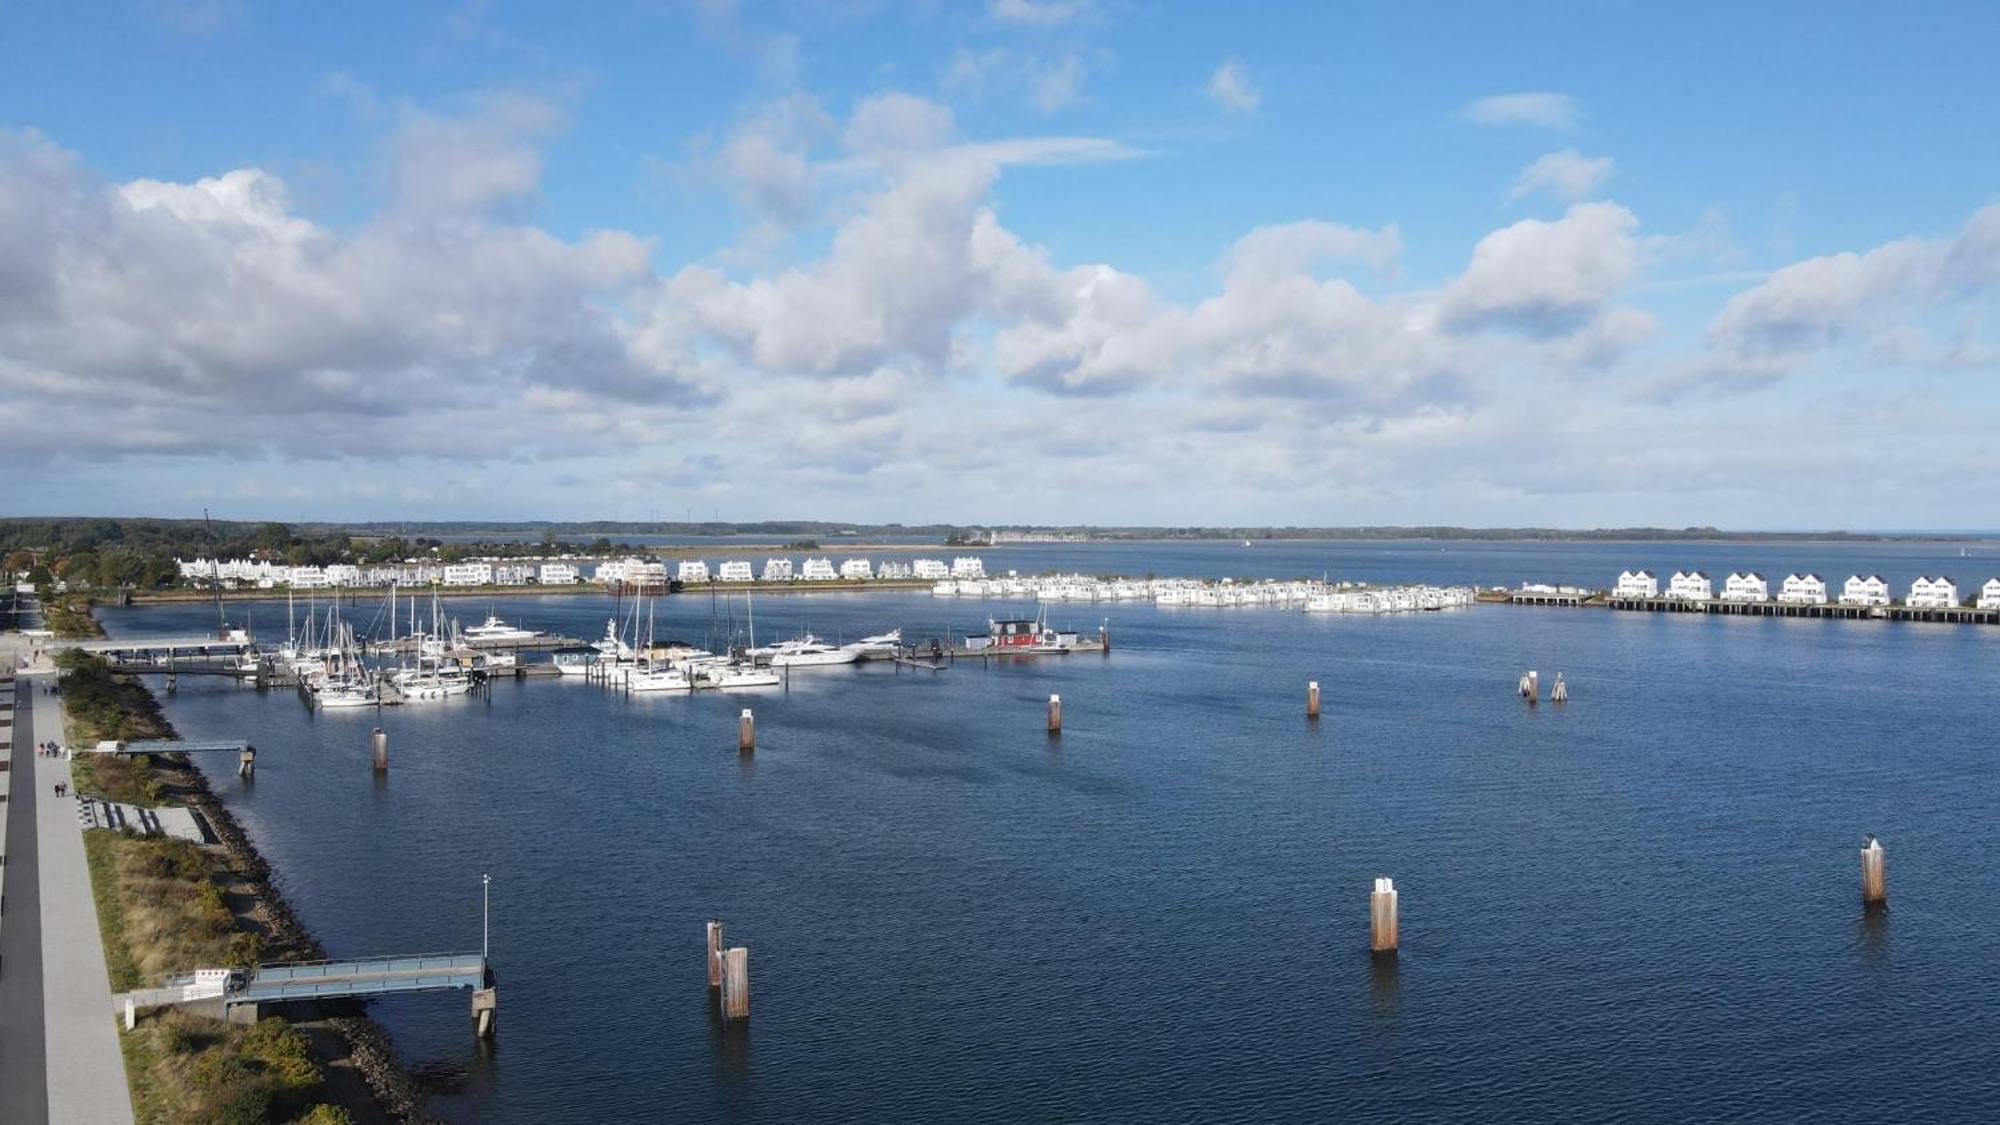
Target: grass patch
202,1070
165,910
102,705
68,616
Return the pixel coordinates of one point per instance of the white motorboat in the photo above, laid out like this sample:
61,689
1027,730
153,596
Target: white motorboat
495,631
890,642
351,694
812,655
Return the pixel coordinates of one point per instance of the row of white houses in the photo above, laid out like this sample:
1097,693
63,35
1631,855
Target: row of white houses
265,574
1928,591
692,571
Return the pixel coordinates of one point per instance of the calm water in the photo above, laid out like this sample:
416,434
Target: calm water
1642,906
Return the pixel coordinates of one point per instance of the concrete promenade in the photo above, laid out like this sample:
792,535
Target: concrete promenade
56,1005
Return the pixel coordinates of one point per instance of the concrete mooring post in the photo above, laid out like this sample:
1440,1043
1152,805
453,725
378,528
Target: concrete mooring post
1055,714
1312,699
735,994
378,745
714,954
1382,917
246,762
485,1005
746,731
1874,874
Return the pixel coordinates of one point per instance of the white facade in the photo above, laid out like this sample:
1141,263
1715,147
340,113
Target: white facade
632,572
968,566
1989,594
1637,584
343,574
1748,586
929,568
892,569
559,574
306,578
1803,589
856,568
736,570
1690,585
818,570
692,570
777,570
1933,593
1872,590
513,574
468,574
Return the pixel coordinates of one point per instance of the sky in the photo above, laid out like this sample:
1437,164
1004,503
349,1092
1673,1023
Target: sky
1012,261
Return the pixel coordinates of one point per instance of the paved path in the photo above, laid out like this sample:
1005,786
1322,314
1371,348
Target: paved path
86,1071
23,1066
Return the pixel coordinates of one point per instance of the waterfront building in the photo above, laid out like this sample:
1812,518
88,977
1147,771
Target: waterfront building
736,570
559,574
968,566
1871,590
1803,589
343,574
1637,584
929,568
818,570
1691,585
513,574
1989,594
892,569
777,570
468,574
306,578
1748,586
1933,593
692,570
856,568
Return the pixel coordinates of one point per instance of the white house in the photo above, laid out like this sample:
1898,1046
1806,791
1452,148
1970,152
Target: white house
777,570
343,574
930,568
890,568
1872,590
692,570
856,568
1748,586
1637,584
1989,594
468,574
559,574
968,566
1690,585
1933,593
306,578
1803,589
632,572
818,570
513,574
737,570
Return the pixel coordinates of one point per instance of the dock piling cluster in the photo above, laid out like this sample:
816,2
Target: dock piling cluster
1530,687
1560,692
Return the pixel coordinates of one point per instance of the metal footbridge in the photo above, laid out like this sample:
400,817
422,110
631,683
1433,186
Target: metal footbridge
296,981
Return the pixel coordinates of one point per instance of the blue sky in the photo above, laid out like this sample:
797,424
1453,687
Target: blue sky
1026,260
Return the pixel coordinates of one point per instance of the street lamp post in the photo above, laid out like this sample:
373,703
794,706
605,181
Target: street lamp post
485,914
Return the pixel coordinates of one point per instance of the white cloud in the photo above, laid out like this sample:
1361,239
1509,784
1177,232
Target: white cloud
1046,81
1568,175
1540,108
1036,13
1231,88
896,122
1299,248
1546,278
487,157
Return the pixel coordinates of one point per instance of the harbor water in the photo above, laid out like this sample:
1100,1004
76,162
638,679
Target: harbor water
1642,905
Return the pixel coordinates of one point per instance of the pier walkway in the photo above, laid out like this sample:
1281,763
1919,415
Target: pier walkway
314,980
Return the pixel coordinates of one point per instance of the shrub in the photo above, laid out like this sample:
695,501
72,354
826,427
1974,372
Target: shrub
324,1114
